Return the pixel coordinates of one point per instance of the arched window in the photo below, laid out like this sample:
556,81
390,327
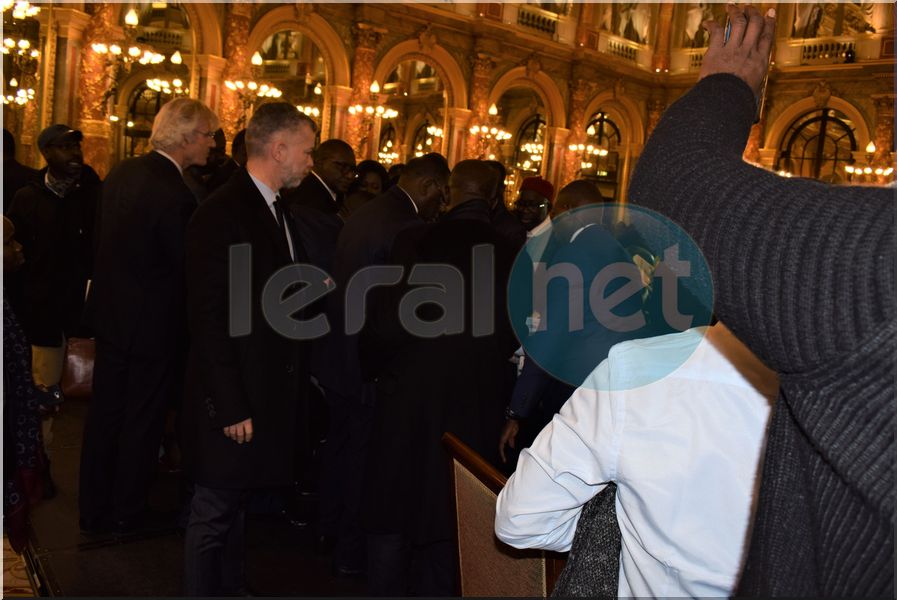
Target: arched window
818,145
600,154
530,140
143,106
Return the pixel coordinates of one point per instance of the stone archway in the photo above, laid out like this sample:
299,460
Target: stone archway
448,70
438,57
205,26
317,29
543,85
789,115
628,116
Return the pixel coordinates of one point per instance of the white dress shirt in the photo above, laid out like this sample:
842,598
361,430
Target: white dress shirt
536,247
270,197
326,187
683,451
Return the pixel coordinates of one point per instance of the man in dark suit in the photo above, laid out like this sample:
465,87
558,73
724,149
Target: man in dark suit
326,185
245,377
138,297
429,382
366,239
318,213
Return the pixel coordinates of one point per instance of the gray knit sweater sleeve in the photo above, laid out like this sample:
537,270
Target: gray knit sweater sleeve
803,271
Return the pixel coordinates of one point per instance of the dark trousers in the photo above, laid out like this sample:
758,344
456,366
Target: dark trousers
214,545
398,568
120,450
342,475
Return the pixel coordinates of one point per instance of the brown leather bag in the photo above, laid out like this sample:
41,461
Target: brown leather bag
77,370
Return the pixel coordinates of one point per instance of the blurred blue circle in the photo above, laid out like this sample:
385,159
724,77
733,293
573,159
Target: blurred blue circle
605,274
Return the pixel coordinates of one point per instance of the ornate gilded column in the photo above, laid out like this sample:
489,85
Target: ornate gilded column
661,60
236,38
579,97
367,38
656,106
585,23
456,133
211,80
482,65
94,82
69,25
884,132
339,98
755,140
555,137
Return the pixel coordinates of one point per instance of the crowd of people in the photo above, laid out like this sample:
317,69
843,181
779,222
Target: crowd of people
304,324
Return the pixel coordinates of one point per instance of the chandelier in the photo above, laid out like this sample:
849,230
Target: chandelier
387,155
373,107
21,58
426,146
868,172
487,133
175,87
133,50
250,91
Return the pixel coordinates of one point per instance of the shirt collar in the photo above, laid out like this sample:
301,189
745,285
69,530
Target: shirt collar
414,204
267,193
326,187
169,157
60,187
540,228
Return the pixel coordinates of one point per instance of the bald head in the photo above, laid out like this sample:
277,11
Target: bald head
472,179
576,194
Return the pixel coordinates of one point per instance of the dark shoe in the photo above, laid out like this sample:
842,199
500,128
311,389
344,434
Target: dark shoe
347,571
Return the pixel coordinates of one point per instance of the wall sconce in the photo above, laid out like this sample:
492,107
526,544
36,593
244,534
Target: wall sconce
249,91
867,172
21,58
487,133
373,107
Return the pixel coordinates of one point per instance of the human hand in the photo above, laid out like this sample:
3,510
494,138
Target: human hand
746,54
508,437
240,432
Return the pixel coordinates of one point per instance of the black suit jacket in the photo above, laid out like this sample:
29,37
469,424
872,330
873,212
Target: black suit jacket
311,193
246,375
427,386
138,285
366,239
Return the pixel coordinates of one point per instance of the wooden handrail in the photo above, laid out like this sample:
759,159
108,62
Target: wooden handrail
473,462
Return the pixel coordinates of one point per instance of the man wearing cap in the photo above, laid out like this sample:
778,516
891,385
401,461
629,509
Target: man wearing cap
138,295
533,208
54,218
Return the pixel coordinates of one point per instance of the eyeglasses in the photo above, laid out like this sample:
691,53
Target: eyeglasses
208,134
528,206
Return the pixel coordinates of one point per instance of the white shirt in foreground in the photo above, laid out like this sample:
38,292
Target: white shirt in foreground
684,453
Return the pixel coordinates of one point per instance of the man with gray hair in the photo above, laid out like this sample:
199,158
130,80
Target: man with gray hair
245,379
138,295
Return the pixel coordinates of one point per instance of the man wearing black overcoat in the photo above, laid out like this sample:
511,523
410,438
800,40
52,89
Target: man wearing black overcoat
365,240
245,377
428,383
140,318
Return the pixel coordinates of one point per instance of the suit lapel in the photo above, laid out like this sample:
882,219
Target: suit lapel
265,218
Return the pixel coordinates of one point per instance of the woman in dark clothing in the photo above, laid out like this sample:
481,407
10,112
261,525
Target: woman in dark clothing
804,276
24,461
370,177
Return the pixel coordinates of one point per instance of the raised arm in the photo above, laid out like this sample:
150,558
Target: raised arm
803,271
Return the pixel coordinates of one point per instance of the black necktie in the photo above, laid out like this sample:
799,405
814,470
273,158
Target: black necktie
281,222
